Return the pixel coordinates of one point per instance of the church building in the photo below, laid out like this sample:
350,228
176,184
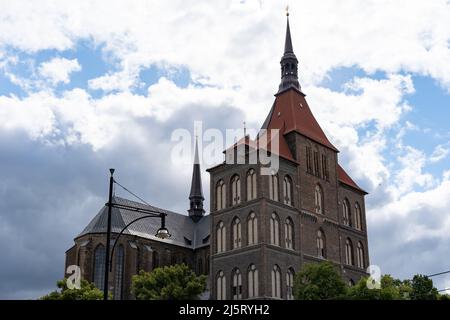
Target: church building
261,229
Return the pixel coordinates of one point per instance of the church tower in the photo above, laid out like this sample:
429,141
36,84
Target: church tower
265,227
196,198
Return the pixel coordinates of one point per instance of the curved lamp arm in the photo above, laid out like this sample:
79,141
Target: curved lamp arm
162,216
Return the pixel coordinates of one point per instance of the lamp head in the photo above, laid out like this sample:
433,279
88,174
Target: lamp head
163,233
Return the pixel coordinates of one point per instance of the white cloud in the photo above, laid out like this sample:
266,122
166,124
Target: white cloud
439,153
59,69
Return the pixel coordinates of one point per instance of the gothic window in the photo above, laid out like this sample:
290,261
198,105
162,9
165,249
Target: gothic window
155,259
237,233
289,234
290,284
348,252
276,282
273,187
325,172
274,229
251,184
235,190
308,160
118,281
221,237
316,163
237,285
360,255
346,215
253,285
99,266
252,228
221,286
318,199
321,252
358,217
287,190
220,195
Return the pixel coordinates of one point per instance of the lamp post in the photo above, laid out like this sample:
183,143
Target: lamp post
161,233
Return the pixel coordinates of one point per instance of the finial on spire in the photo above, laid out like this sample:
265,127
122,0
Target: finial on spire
287,11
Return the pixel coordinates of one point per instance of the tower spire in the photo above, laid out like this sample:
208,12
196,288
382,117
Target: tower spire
196,198
289,62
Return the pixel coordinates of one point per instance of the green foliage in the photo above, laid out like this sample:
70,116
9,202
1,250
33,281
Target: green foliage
390,289
423,289
87,291
319,281
177,282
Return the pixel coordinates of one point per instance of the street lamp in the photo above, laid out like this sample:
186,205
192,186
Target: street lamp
161,233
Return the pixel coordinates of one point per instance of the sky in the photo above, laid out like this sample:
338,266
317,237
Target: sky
85,86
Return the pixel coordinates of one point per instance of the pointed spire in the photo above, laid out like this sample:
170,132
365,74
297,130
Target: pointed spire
289,63
196,198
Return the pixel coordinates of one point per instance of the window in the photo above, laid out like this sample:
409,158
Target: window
321,252
325,173
316,163
235,190
237,234
207,264
287,190
252,228
118,281
155,259
200,266
290,284
289,234
274,230
348,252
276,282
251,185
253,285
308,160
360,255
273,187
220,195
358,217
221,286
318,199
346,213
237,285
99,266
221,237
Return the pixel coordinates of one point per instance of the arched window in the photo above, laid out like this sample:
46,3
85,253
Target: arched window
237,285
221,237
221,192
252,228
237,234
290,284
251,184
221,286
99,266
274,229
346,215
235,190
253,285
289,234
287,190
348,252
273,187
321,252
118,281
276,282
358,217
155,259
318,199
360,255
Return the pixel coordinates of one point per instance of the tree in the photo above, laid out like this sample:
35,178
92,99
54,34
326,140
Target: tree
390,289
87,291
319,281
422,288
177,282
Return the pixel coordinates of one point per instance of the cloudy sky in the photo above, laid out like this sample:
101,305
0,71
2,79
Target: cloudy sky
85,86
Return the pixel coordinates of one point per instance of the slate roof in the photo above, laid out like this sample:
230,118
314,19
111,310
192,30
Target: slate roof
184,231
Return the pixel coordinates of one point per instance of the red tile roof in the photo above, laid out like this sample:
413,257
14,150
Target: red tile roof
345,178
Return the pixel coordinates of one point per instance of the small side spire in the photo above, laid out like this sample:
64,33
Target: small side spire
289,62
196,198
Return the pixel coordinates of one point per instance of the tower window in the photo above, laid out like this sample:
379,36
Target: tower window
235,190
221,237
348,252
290,284
220,195
237,234
273,187
252,228
237,285
321,252
318,199
276,282
289,234
251,184
287,188
274,230
221,286
346,214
